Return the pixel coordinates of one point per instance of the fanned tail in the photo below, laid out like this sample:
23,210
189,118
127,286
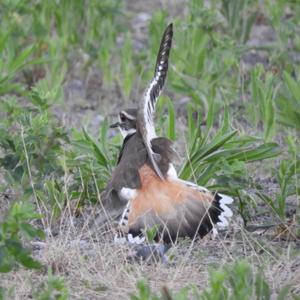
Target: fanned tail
218,214
226,211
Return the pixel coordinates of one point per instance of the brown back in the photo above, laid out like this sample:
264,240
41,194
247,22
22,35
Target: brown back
132,157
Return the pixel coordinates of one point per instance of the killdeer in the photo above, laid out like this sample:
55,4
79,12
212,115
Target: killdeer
145,183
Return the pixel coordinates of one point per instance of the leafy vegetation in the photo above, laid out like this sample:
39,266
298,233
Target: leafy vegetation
53,288
12,251
239,124
233,281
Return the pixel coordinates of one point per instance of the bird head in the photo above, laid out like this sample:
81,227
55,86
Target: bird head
127,122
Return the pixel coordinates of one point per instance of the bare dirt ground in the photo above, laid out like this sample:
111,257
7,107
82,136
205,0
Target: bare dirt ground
92,266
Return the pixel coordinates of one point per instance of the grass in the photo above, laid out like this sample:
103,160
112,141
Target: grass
95,269
67,68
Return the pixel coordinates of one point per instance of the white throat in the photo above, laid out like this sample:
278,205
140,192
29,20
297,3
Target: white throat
125,132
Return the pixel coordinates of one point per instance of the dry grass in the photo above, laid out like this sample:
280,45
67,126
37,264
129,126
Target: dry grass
94,268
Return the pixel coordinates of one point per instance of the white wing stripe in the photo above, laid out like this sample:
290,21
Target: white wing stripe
147,107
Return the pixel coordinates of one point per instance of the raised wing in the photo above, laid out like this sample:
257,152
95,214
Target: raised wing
147,106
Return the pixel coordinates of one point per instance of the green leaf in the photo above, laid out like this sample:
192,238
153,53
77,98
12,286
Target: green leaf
262,288
171,132
264,151
200,154
5,261
31,232
27,261
151,233
284,292
97,151
293,86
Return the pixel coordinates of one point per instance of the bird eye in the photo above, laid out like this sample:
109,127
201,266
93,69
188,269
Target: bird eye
122,118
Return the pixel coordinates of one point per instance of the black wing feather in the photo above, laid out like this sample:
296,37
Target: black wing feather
147,108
